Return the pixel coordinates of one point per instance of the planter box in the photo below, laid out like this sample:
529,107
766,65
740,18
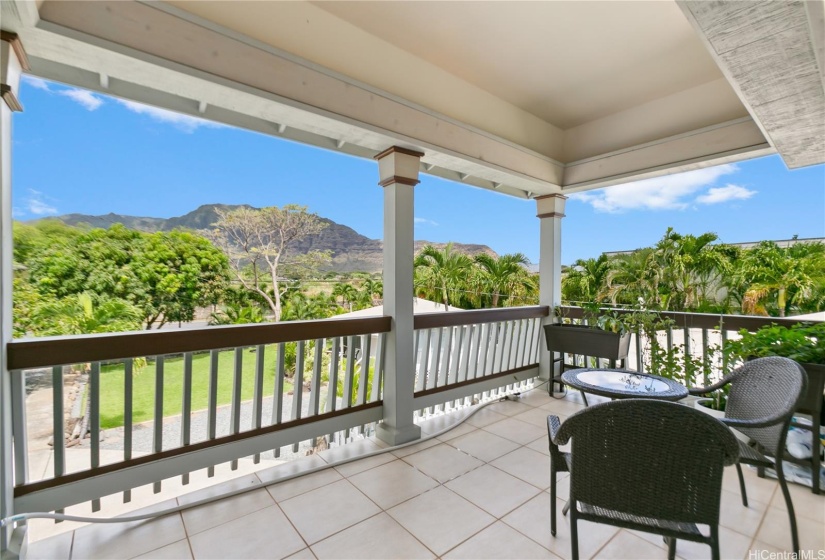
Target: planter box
587,341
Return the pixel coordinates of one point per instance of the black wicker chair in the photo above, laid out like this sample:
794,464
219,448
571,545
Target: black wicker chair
643,464
763,395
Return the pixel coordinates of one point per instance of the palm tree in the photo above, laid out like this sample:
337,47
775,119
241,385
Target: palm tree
688,264
586,280
372,289
502,276
791,275
442,273
86,313
634,278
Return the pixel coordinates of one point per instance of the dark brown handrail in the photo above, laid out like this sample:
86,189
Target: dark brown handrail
62,350
455,318
704,320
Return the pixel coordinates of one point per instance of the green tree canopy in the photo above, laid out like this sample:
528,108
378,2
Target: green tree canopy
166,274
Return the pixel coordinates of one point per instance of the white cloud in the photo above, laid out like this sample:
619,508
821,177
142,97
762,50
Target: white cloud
183,122
36,203
670,192
715,195
36,83
425,221
83,97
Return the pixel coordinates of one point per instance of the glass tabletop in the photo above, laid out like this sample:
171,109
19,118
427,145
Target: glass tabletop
622,384
623,381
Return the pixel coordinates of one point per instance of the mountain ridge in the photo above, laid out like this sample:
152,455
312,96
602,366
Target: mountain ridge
351,251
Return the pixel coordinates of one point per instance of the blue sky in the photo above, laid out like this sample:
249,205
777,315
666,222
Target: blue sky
77,151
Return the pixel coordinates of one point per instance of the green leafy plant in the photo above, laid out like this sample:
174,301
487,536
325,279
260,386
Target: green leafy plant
802,342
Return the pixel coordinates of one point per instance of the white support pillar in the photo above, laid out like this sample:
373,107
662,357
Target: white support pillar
12,62
398,171
550,211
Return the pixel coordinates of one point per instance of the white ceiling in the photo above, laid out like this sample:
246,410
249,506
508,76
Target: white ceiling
565,62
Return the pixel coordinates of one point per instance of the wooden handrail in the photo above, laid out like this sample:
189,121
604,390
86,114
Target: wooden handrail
63,350
455,318
704,320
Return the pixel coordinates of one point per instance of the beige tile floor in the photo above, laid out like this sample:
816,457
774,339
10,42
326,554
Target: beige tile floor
478,491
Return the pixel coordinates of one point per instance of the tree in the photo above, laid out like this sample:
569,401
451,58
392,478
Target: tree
85,313
258,243
687,264
781,276
166,274
442,273
634,278
502,276
586,280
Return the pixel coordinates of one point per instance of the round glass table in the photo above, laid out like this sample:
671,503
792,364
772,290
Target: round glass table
623,384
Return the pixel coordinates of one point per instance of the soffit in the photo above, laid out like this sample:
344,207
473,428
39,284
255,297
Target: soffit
566,62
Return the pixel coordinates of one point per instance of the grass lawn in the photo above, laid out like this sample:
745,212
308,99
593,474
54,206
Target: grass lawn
111,385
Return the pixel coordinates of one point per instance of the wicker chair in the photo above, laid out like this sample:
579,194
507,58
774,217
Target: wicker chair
643,464
764,393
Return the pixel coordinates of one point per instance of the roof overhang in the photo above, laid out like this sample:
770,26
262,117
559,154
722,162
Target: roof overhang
208,60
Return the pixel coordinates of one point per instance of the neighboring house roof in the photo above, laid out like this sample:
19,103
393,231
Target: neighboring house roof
419,306
818,316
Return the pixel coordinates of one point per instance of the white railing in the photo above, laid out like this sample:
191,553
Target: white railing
473,353
188,400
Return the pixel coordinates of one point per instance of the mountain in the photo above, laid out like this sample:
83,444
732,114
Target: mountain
351,251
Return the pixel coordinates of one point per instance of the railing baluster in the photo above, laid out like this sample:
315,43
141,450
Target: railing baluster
423,358
157,433
258,395
433,353
237,379
640,365
378,376
466,346
332,387
128,407
298,386
315,382
527,355
18,423
58,424
502,345
94,421
724,343
364,376
278,396
478,352
689,370
212,404
518,344
186,407
446,354
349,373
705,358
455,356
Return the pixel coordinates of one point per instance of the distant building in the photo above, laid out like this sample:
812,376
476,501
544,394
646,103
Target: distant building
744,245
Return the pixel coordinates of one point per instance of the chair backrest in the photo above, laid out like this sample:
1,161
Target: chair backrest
649,458
764,388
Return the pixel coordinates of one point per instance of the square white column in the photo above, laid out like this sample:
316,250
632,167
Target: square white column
550,210
398,169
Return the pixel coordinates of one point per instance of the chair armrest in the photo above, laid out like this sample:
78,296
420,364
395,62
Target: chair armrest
553,429
698,391
763,422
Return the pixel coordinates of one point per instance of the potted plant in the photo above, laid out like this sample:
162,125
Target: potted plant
802,342
604,336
